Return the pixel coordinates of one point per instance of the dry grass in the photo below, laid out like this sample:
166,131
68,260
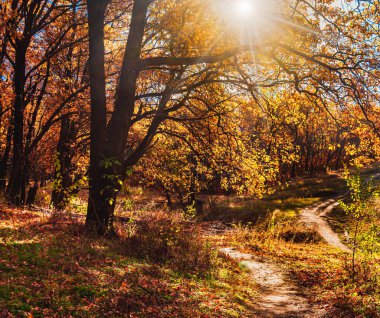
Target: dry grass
318,268
170,239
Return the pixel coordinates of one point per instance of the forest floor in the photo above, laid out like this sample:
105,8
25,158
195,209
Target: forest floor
49,267
164,266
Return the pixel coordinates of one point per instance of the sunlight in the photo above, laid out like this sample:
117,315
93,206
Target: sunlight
248,19
244,8
256,22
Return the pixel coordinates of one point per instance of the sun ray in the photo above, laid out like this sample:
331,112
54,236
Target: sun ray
293,25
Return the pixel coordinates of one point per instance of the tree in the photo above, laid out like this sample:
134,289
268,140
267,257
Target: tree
41,34
244,101
112,153
168,59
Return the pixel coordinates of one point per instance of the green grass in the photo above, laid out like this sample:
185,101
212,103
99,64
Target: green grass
289,200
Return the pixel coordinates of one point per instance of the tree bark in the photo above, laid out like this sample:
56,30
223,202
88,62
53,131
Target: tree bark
17,175
107,143
5,160
32,194
63,179
95,212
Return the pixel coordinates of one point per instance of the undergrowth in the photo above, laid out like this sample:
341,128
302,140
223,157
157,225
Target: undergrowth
289,198
49,268
173,240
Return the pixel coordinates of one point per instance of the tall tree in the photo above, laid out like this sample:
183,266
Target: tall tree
41,33
112,154
171,53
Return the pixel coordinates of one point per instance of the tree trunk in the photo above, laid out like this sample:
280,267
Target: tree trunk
107,167
4,160
16,178
340,153
168,199
63,180
96,210
103,208
294,162
32,194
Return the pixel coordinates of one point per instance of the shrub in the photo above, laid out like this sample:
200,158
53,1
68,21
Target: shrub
360,285
297,233
169,238
283,231
362,223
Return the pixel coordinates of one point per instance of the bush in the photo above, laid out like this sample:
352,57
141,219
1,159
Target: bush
169,238
298,234
359,297
279,226
286,232
362,224
359,292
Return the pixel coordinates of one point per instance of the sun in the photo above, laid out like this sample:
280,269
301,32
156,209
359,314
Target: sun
252,22
244,8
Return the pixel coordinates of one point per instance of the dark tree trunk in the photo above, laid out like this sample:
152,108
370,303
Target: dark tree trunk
328,160
168,199
340,154
43,181
16,178
191,158
32,194
25,178
63,179
4,160
96,213
63,175
107,166
294,163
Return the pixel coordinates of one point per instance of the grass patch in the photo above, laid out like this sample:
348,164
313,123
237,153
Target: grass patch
288,199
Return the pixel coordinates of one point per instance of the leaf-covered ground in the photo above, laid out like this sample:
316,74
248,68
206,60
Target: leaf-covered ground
48,268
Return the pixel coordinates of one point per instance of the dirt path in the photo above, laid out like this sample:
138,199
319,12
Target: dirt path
279,295
313,217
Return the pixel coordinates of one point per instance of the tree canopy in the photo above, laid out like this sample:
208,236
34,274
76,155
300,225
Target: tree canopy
184,96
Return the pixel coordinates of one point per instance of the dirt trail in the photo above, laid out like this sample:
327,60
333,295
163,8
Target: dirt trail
279,296
313,217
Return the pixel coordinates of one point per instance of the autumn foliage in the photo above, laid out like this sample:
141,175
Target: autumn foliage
182,97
